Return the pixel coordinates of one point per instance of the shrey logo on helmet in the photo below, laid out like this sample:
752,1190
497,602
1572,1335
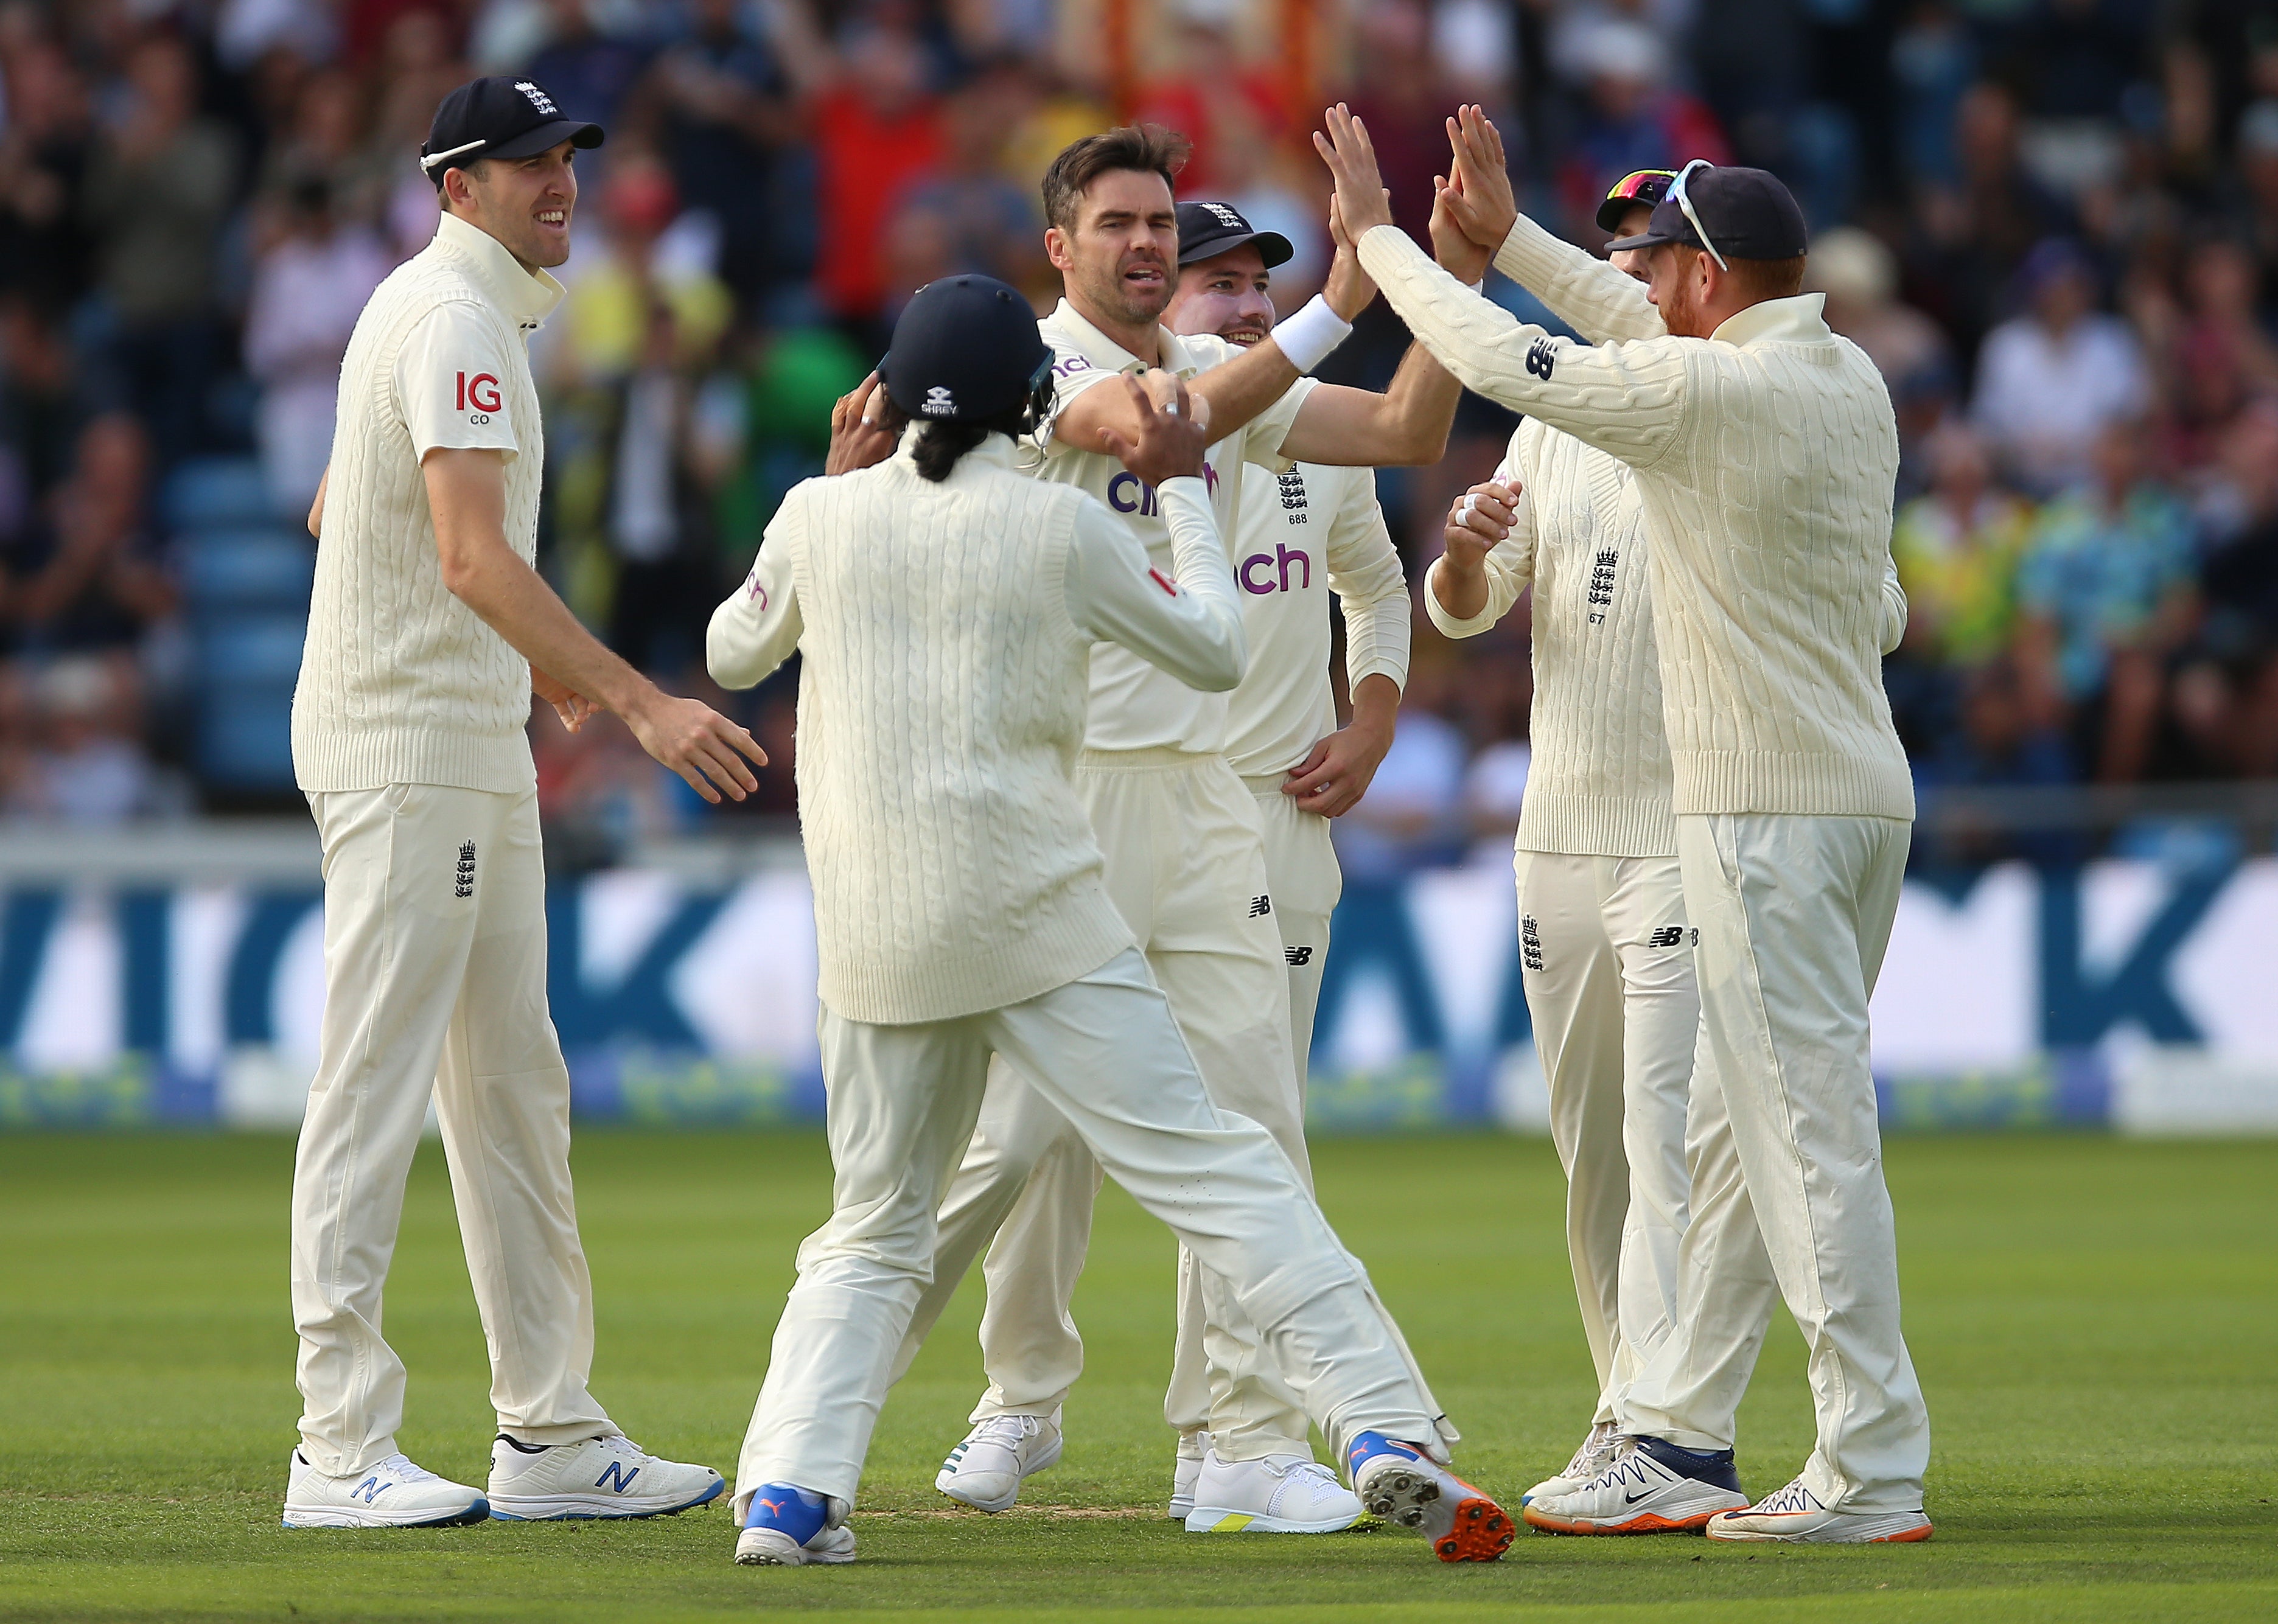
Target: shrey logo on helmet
539,99
938,402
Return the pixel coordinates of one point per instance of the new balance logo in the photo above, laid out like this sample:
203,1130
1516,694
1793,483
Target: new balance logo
1298,957
1540,359
1260,906
1670,936
1530,942
464,877
371,1488
615,1476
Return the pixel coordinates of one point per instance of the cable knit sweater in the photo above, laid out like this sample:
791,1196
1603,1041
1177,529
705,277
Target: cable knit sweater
1766,456
399,681
1599,784
945,632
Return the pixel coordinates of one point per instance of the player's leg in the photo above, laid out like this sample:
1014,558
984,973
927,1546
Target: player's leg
1644,910
396,941
1573,980
1305,882
903,1100
1105,1049
502,1096
1038,1230
1217,954
1802,910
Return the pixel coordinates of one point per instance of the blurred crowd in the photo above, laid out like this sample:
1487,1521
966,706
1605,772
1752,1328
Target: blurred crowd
2053,224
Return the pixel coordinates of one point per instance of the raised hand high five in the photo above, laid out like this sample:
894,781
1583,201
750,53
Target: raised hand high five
1363,204
1478,195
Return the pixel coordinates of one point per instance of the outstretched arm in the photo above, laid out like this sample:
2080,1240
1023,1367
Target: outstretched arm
466,491
1597,302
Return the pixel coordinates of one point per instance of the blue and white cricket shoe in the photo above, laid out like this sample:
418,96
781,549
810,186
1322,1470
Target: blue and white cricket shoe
1408,1488
607,1477
394,1494
792,1527
1652,1486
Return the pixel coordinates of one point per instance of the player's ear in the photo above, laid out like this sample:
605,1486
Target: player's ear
1057,247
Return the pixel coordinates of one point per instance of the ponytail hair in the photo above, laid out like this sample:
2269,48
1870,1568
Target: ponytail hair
940,444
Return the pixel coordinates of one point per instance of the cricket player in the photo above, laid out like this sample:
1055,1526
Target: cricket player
1605,951
1765,450
947,608
1185,861
428,633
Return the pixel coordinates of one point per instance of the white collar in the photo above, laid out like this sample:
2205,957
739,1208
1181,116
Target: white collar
1798,320
526,296
1105,352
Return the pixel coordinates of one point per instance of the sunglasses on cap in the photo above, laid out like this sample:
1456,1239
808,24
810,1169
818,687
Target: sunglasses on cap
1676,196
1639,188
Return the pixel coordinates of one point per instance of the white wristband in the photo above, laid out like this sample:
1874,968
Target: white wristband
1308,337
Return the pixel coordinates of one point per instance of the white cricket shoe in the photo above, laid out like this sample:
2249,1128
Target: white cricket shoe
1184,1469
1281,1494
985,1470
1652,1487
607,1477
792,1527
394,1494
1598,1450
1794,1516
1407,1488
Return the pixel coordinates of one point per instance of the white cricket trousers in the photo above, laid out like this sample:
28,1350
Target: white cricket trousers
1795,913
435,984
1186,869
1307,882
1607,958
1105,1053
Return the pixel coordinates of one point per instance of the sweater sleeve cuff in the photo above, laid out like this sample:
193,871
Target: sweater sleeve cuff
1450,625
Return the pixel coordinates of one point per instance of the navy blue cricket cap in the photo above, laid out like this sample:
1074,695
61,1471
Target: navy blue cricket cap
498,118
1747,214
966,350
1208,229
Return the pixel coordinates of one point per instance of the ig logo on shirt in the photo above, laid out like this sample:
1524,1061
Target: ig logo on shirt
482,392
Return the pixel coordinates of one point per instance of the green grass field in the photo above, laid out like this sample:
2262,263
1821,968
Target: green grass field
2096,1324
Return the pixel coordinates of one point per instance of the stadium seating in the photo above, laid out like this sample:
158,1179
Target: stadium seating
245,574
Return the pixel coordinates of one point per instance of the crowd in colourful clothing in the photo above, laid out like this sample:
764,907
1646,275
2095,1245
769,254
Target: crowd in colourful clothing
2053,224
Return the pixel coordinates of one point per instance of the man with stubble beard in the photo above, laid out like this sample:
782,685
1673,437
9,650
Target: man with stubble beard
1180,833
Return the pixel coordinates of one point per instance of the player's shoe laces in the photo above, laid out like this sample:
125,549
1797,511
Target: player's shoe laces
1652,1487
791,1526
1184,1470
1407,1488
984,1471
394,1494
1281,1494
607,1477
1597,1454
1794,1516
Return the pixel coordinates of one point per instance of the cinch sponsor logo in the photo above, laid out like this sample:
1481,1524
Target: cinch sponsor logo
1127,492
1276,565
481,391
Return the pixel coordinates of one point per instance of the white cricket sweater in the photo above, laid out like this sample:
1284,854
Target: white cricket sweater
1600,783
1766,456
1303,534
945,632
401,682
